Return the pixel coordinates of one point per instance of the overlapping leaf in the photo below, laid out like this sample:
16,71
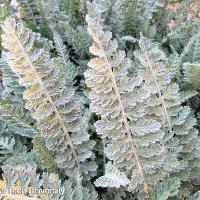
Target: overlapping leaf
54,106
135,142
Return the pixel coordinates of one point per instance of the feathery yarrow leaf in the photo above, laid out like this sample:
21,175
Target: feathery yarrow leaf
112,178
181,138
191,53
135,142
17,119
40,187
191,73
68,68
165,190
12,89
54,106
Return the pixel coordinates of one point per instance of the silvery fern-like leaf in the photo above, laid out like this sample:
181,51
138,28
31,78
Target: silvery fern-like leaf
191,53
9,146
25,175
78,192
164,104
55,109
74,35
191,73
23,158
166,190
42,42
134,147
150,57
68,68
129,14
102,6
125,13
173,62
28,181
127,5
187,94
53,7
112,178
151,7
17,119
12,89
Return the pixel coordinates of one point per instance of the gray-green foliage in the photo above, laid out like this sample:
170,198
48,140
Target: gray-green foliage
28,179
190,59
12,89
181,138
187,69
16,122
191,75
125,16
166,190
112,178
67,67
7,146
73,35
171,123
191,52
55,108
17,119
135,142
